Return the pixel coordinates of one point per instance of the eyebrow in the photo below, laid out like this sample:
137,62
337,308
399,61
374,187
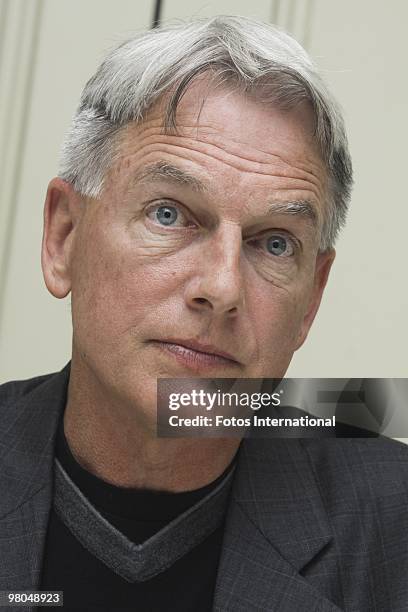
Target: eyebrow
300,208
164,171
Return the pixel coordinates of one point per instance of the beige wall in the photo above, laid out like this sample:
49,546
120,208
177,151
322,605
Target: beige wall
48,48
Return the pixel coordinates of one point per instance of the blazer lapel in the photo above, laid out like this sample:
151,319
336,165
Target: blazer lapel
26,472
276,528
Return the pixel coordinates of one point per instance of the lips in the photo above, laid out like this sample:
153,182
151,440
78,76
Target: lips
192,350
209,349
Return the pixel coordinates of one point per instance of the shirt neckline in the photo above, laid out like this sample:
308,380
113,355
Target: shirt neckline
138,562
130,503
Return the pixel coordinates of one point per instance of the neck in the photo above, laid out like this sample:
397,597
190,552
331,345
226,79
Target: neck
108,441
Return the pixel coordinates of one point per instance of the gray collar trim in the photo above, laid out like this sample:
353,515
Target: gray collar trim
138,562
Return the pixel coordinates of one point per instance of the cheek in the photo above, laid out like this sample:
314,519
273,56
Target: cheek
99,286
277,318
116,284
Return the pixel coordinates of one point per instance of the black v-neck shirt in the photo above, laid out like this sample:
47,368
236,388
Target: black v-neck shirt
89,584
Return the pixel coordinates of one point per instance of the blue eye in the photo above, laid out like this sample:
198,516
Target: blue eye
166,215
279,246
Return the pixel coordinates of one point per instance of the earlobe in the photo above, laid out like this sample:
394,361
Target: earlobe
60,215
324,263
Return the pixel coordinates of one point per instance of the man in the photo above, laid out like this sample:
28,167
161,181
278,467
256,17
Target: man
203,183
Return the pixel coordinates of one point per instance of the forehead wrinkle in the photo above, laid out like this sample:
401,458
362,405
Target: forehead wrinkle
190,149
165,171
303,173
220,145
191,153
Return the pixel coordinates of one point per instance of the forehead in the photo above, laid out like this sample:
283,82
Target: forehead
233,115
225,135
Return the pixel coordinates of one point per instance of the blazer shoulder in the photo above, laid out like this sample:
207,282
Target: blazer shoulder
366,468
13,392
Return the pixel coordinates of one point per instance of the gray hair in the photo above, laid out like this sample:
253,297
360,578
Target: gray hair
256,57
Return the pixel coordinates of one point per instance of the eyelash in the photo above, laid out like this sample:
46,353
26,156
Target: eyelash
294,243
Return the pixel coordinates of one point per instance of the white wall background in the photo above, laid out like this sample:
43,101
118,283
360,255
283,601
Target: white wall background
48,49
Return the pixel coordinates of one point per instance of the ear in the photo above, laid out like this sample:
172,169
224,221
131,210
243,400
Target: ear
62,210
323,265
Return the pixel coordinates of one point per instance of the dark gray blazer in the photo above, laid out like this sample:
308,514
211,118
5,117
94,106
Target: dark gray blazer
313,525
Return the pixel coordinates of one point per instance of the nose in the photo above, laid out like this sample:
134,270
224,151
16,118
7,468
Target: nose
216,283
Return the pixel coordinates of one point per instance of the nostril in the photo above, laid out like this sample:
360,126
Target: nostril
201,300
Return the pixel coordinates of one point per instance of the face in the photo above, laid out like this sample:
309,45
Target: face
190,264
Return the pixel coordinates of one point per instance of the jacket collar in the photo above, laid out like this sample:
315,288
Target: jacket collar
275,486
27,437
28,440
276,526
